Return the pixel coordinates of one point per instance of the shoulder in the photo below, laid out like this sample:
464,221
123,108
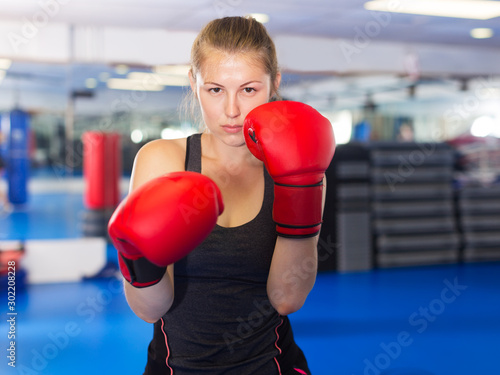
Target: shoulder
163,148
157,158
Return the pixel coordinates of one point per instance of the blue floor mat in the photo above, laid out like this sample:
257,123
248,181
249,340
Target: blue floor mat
437,320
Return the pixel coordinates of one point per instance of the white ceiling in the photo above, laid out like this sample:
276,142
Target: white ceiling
325,18
308,34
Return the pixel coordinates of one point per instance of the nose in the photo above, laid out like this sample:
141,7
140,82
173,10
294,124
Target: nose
232,106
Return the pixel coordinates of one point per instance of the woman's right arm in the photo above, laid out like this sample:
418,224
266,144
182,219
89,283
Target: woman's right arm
153,160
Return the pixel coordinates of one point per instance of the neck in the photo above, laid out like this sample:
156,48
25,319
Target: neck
216,149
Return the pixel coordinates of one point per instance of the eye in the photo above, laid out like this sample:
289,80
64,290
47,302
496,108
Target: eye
215,90
249,90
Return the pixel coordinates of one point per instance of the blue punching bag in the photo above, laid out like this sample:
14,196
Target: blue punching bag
18,157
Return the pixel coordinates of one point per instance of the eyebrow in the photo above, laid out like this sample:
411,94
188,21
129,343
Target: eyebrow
250,82
244,84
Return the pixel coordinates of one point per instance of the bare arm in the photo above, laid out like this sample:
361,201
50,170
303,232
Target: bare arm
153,160
293,271
152,302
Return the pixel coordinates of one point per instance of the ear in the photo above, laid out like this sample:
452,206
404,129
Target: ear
276,85
192,82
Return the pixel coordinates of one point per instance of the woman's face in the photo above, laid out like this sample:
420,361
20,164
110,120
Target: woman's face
228,86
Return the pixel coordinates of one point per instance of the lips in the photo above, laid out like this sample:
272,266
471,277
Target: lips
232,128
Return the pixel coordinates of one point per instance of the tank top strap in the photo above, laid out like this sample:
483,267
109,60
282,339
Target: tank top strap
193,153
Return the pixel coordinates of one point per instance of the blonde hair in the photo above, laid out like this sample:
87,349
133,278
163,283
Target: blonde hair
235,35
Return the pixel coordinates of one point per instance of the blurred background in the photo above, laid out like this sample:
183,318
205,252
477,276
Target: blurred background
412,89
121,66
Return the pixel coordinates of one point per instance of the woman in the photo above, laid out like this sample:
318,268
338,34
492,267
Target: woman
222,309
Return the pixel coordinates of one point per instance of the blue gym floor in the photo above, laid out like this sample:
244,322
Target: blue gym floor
439,320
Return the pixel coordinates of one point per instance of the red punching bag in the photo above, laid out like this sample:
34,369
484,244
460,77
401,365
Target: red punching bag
101,169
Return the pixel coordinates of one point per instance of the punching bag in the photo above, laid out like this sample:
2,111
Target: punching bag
102,172
101,169
18,156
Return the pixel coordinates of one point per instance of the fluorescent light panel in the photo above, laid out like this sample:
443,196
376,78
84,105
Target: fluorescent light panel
133,85
143,81
481,33
180,70
159,79
91,83
5,64
260,17
478,9
121,69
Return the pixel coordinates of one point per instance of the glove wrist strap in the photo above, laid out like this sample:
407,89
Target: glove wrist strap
140,272
297,210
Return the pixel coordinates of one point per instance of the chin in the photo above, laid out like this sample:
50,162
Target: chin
234,140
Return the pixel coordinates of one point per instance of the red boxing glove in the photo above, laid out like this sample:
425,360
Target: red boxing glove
296,144
161,222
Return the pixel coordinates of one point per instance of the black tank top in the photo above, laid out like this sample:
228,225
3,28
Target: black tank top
221,320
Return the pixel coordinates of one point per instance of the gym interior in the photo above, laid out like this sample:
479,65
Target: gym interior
409,251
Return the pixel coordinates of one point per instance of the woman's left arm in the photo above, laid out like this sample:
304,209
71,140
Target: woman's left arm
293,271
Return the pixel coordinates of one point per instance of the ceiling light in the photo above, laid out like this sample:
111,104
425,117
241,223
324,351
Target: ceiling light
133,85
91,83
260,17
481,33
496,129
489,92
5,64
482,126
169,133
121,69
342,125
159,79
473,9
137,136
180,70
